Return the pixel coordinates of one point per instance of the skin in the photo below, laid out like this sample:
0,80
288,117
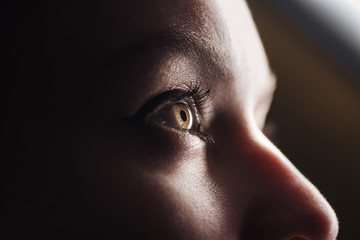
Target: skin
89,174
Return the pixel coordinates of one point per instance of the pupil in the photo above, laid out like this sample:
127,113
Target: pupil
183,115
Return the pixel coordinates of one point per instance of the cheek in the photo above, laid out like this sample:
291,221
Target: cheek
179,195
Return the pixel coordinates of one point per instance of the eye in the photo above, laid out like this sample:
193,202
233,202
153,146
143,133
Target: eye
177,108
179,115
183,115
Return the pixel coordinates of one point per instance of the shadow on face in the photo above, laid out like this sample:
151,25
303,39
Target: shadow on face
117,133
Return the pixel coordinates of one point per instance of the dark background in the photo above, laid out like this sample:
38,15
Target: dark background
316,105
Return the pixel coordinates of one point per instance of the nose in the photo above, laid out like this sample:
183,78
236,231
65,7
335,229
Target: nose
281,203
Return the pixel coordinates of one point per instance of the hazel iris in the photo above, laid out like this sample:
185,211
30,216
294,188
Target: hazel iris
183,115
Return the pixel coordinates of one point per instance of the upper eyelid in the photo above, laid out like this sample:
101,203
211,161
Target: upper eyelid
170,96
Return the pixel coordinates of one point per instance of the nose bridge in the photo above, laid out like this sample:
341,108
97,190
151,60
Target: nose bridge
284,204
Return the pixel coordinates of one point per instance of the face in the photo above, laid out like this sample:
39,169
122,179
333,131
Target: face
170,146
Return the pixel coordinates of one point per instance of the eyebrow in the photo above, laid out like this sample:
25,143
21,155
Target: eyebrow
196,48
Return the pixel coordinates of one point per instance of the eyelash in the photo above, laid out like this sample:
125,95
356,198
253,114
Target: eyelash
201,97
194,95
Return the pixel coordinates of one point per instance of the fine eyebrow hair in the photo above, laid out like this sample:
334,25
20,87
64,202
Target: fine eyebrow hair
198,49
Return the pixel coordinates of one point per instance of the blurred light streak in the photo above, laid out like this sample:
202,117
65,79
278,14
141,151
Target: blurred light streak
342,16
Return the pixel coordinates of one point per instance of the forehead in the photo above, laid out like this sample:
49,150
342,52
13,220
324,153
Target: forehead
224,27
119,23
115,24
